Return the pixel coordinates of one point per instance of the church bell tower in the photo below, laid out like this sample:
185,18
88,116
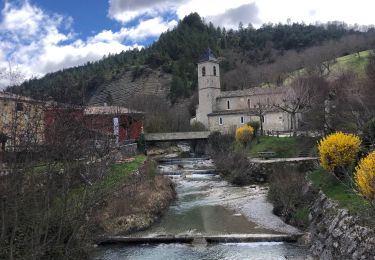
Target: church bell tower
208,86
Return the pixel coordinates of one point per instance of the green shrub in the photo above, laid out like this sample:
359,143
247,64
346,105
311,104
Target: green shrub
288,195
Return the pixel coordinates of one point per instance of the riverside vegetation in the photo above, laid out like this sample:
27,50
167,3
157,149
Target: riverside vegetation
136,204
293,190
56,199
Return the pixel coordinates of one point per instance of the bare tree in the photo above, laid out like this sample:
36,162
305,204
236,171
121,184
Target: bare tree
161,116
11,75
300,98
48,193
259,110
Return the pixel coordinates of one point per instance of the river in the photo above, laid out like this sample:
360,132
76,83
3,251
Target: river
207,205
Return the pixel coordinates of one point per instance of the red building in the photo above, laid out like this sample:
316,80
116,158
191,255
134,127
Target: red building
103,118
114,121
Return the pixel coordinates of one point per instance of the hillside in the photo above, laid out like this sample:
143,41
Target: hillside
355,62
120,92
248,57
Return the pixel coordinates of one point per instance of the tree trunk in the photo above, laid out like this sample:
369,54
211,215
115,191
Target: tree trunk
2,236
294,124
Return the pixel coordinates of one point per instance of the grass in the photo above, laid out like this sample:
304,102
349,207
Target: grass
353,62
120,172
283,146
345,196
301,216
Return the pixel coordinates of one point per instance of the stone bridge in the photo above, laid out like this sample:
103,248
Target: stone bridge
197,140
177,136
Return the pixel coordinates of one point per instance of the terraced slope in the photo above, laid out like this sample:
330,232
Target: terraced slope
119,92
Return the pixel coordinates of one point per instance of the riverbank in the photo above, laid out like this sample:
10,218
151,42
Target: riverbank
258,209
137,203
213,217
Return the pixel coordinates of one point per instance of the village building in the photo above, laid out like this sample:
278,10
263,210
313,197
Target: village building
26,123
125,124
21,121
224,111
116,124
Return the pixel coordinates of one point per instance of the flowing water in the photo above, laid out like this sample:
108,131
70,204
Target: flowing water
206,205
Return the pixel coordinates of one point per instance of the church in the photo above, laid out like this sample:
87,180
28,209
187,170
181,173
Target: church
225,111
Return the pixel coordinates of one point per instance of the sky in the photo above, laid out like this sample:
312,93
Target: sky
42,36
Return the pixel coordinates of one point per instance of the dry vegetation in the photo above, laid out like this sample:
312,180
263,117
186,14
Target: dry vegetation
137,204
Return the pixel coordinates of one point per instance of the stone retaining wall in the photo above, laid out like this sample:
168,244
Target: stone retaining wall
337,235
262,169
128,149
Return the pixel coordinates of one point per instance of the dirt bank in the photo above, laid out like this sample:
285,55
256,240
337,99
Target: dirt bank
137,204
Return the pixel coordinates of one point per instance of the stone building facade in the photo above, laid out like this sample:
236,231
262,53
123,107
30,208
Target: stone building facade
226,110
26,123
21,121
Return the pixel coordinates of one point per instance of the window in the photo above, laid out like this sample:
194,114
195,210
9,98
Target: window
203,71
220,120
242,120
214,70
248,102
228,104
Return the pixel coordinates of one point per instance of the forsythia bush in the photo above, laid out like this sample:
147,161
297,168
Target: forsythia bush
244,134
338,150
365,176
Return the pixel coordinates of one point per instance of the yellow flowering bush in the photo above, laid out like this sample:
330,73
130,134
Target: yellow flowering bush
338,150
365,176
244,134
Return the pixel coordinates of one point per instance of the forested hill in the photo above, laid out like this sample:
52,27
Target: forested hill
248,56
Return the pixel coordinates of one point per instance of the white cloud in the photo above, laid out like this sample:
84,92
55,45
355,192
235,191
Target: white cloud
127,10
35,42
275,11
40,43
146,28
247,13
351,12
209,7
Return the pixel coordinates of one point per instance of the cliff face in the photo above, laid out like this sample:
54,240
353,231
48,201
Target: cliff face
337,235
140,81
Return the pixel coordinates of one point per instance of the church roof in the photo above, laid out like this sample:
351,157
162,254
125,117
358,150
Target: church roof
208,56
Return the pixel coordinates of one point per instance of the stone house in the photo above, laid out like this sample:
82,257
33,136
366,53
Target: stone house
21,121
224,111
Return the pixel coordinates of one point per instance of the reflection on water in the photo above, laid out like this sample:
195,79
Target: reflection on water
204,220
200,207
